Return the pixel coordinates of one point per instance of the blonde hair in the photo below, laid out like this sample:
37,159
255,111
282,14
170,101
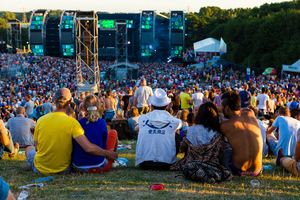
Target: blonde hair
120,113
184,115
91,101
134,112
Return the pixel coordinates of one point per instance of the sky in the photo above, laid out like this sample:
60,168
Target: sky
126,6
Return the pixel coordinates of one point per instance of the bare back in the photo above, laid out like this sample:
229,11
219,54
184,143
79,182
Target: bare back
245,139
109,103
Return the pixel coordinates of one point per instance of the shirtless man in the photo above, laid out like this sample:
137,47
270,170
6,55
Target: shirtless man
110,106
243,134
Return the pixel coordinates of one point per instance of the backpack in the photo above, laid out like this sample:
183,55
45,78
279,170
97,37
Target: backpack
206,172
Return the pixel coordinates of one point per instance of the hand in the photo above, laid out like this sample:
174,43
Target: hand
111,155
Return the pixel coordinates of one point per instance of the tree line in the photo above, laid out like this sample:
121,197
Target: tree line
265,36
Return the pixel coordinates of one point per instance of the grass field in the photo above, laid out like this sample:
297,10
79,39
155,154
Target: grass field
132,183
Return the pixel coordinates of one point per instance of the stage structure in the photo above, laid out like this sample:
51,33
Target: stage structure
107,35
37,32
67,33
52,37
177,34
86,46
147,34
14,35
123,71
121,41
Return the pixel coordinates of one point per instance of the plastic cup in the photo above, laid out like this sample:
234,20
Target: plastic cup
157,187
255,183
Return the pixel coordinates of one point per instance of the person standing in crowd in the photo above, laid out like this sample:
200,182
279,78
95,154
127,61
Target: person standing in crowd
29,105
218,99
197,98
141,96
262,101
39,111
245,97
47,107
156,146
253,98
110,106
185,99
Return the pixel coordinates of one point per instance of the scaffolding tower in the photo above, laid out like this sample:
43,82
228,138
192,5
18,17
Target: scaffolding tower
86,42
121,41
13,31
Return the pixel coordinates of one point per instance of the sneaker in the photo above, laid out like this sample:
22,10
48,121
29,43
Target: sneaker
279,156
16,149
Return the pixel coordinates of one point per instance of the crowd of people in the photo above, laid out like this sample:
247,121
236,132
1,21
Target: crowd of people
209,114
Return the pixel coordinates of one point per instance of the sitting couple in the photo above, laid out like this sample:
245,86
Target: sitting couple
156,146
60,139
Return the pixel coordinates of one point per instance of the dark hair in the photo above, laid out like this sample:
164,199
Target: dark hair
211,96
223,90
109,93
160,108
255,110
191,118
208,116
295,112
232,100
263,90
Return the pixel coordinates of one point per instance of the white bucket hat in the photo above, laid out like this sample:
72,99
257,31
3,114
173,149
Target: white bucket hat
159,98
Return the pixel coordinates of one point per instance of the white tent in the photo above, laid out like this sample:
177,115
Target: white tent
208,45
292,68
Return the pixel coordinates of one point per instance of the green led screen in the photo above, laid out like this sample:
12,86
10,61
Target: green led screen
107,24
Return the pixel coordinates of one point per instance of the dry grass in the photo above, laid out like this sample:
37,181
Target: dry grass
132,183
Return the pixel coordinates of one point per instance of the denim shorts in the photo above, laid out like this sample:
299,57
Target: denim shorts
30,161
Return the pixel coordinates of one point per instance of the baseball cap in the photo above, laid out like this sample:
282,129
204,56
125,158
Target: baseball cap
63,94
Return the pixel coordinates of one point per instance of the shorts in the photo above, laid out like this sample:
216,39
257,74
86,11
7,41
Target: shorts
291,165
110,114
240,172
30,161
91,169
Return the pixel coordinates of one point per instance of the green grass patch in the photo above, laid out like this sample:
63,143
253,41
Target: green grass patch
132,183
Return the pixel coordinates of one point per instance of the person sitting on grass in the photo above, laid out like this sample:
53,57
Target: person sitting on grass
5,192
95,130
53,139
288,128
134,117
156,146
290,164
20,128
120,124
244,136
6,142
204,141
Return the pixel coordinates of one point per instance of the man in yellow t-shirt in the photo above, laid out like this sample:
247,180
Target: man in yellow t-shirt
184,99
53,139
